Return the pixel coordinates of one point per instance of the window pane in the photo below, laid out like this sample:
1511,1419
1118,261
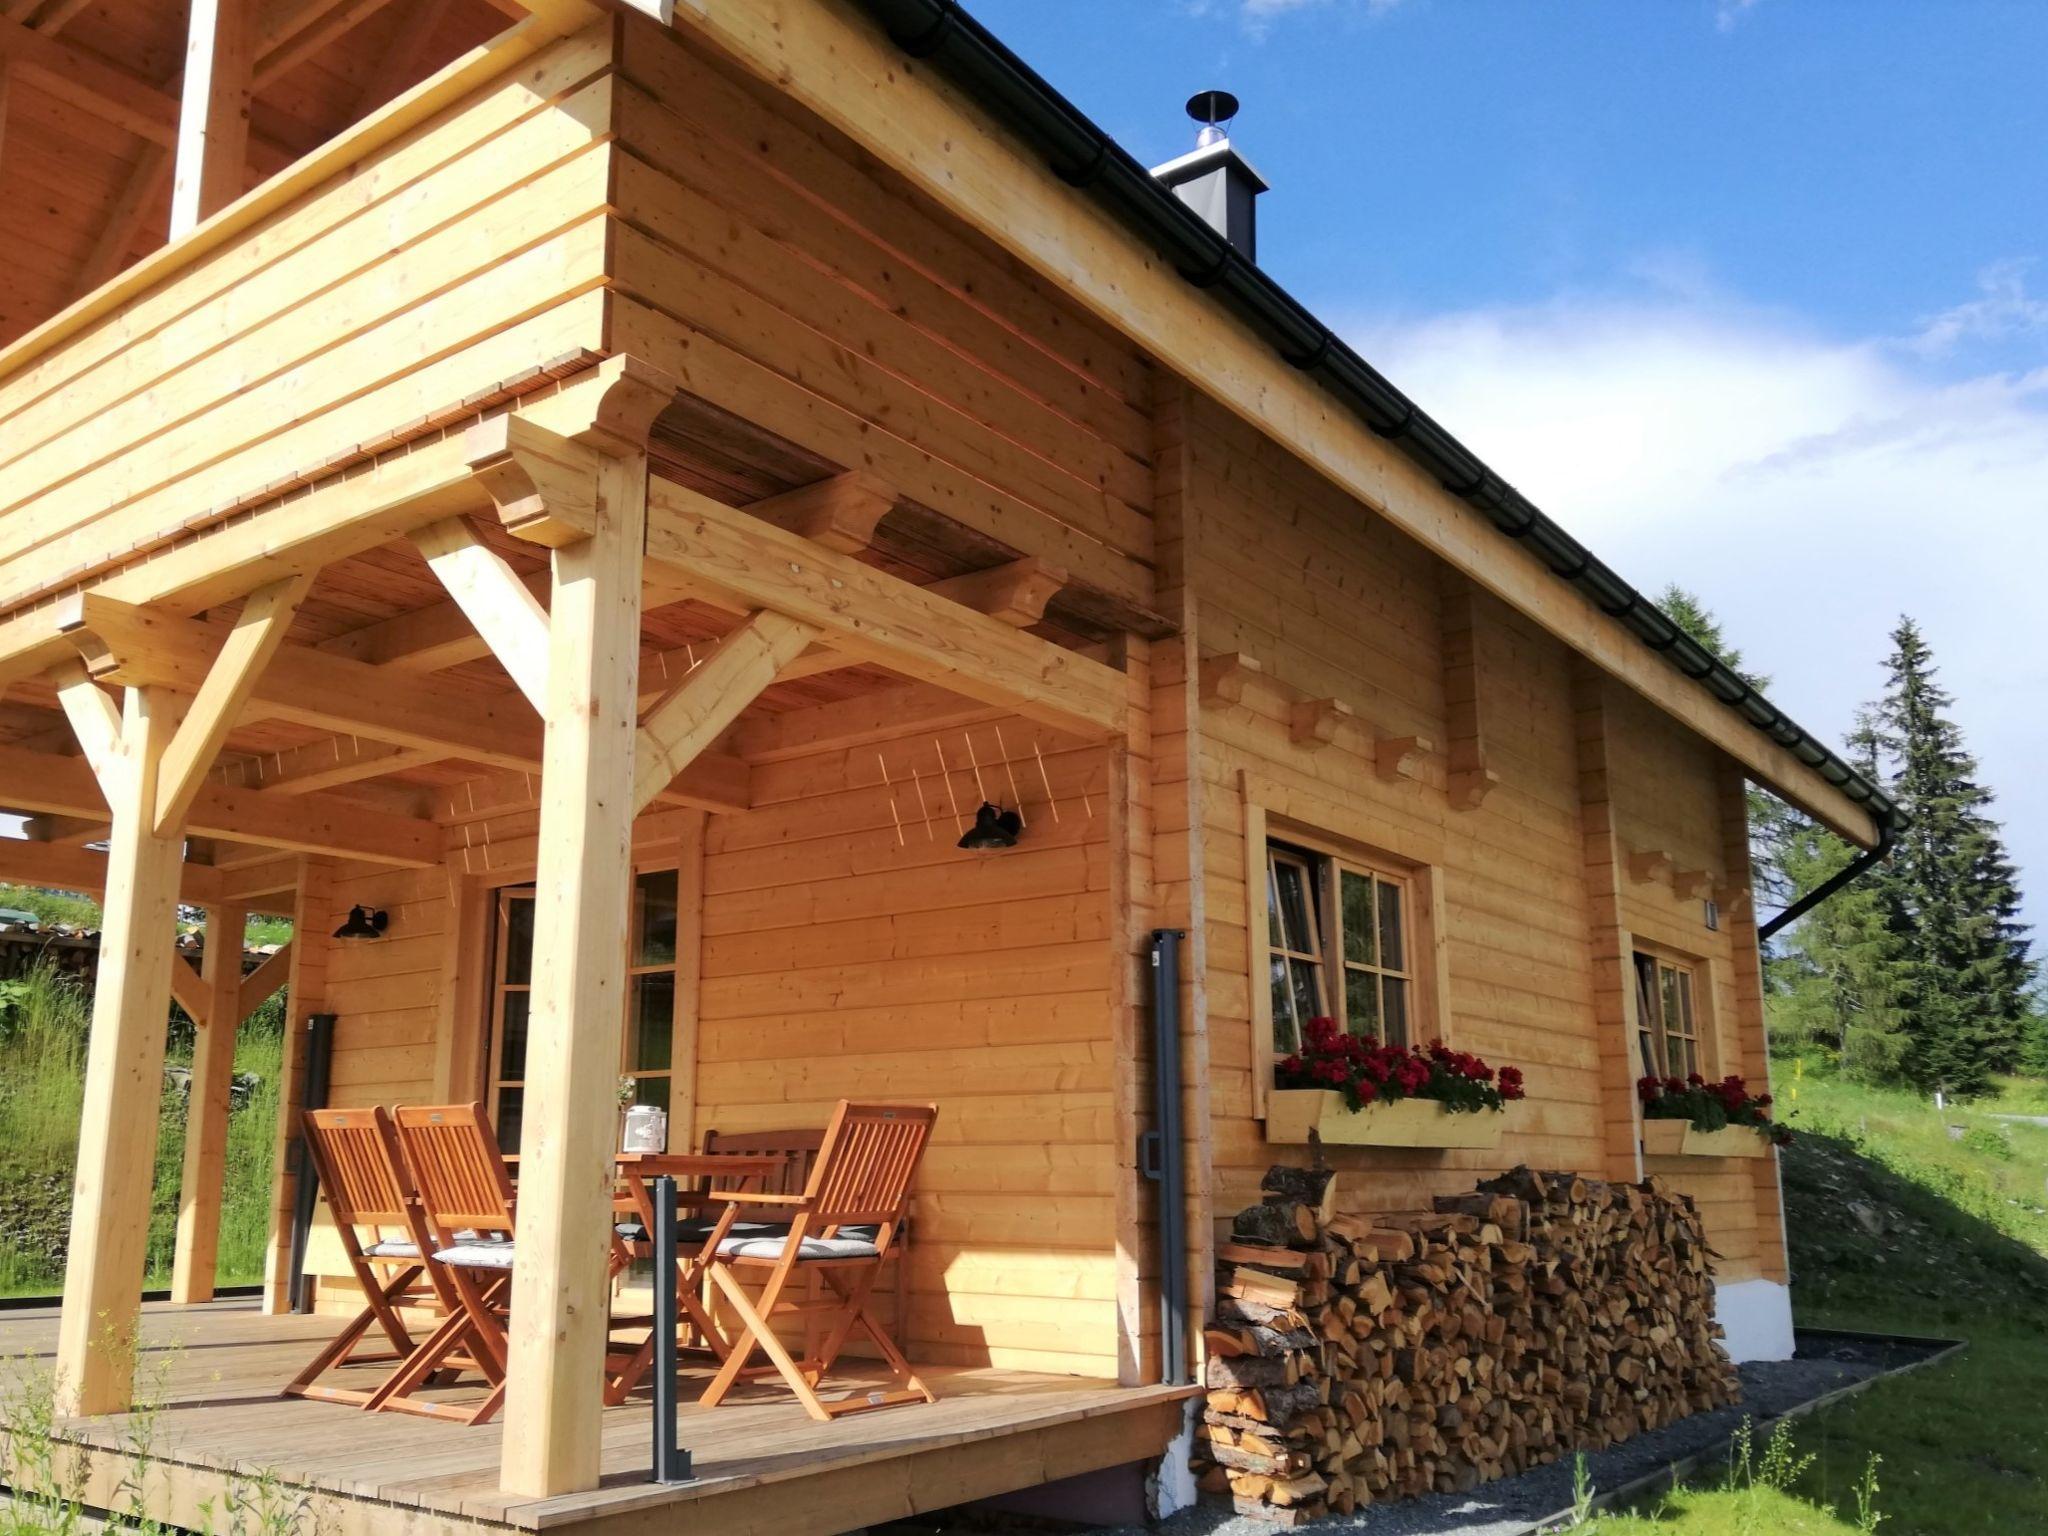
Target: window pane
1297,925
1308,989
654,911
1646,1014
1286,1029
518,939
511,1101
1685,1003
1392,955
1394,992
1673,1017
512,1057
1358,925
651,1025
651,1090
1362,1002
1274,935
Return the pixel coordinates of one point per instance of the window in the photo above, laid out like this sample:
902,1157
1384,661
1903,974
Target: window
1338,941
1667,1017
650,999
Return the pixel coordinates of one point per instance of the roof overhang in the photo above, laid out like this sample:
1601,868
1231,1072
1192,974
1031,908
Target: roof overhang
1138,259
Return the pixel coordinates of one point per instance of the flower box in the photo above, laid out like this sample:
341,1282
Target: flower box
1681,1138
1291,1113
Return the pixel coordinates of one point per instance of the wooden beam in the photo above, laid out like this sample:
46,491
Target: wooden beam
258,631
95,718
91,83
840,513
202,1186
494,598
707,547
249,884
327,824
63,868
263,983
188,990
694,713
95,1358
212,154
553,1406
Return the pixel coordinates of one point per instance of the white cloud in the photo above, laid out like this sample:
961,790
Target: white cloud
2002,311
1810,489
1728,12
1257,16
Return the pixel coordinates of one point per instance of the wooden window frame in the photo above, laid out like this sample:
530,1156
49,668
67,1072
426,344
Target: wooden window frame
1266,822
1650,1033
680,1074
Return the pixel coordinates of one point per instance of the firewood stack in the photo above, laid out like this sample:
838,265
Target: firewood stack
1356,1358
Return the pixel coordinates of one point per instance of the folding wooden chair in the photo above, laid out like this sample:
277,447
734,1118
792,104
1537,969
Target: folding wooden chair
356,1160
467,1202
861,1180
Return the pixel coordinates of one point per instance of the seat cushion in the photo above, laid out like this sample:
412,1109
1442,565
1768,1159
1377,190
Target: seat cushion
393,1248
841,1247
691,1233
485,1253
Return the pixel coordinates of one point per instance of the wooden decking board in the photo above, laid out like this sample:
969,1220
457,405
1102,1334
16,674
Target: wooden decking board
218,1367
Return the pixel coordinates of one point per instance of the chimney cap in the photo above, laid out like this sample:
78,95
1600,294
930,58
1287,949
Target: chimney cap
1212,108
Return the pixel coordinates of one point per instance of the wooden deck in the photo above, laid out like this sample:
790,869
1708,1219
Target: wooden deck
219,1426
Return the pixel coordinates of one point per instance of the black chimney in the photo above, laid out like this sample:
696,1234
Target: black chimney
1213,178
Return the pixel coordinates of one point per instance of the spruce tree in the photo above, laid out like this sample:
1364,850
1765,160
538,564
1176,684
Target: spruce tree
1949,894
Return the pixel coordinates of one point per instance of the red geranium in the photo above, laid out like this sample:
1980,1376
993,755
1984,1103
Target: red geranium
1710,1106
1367,1071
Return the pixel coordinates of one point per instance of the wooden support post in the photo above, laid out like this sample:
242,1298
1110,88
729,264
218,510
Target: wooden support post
213,121
1746,1001
95,1362
1468,780
556,1355
307,984
206,1112
1614,981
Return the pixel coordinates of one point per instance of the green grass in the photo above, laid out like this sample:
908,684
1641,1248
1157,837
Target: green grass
1897,1226
43,1025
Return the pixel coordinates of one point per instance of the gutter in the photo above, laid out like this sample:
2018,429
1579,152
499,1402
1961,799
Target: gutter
1085,157
1870,858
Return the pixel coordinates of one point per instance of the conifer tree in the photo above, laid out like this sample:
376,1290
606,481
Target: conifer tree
1949,894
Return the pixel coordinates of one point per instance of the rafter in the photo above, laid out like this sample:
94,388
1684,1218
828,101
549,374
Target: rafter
210,156
78,869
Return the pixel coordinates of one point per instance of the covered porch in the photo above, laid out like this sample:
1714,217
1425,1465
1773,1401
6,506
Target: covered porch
217,1432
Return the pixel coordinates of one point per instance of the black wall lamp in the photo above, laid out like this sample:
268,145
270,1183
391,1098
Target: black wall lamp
993,827
364,924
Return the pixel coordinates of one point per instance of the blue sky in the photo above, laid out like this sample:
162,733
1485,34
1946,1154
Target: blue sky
1783,262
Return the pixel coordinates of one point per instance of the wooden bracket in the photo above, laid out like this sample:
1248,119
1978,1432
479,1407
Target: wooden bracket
262,983
1691,883
1015,593
1223,677
190,990
1732,898
1648,867
1467,788
685,720
840,513
95,718
1316,722
501,605
543,484
1399,757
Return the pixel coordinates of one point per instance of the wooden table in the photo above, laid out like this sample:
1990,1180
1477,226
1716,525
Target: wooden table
639,1170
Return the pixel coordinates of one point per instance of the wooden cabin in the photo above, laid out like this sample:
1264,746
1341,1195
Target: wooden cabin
615,487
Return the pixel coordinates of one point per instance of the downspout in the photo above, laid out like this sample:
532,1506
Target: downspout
1870,858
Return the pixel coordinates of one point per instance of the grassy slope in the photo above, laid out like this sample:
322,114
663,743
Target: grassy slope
42,1058
1898,1226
